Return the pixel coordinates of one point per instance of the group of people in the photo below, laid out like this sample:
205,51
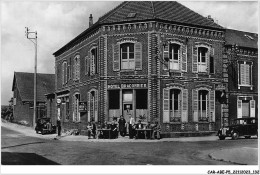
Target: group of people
106,130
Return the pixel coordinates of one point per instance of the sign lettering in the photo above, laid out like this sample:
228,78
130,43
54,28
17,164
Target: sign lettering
126,86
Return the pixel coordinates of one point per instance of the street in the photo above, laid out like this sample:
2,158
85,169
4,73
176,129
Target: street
19,149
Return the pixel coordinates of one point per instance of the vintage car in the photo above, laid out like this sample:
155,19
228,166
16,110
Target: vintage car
246,127
44,126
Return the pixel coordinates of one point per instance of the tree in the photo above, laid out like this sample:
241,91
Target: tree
7,111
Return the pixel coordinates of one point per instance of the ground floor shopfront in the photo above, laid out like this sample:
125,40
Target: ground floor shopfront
178,106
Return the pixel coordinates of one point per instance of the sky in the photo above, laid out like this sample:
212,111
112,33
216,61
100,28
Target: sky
58,22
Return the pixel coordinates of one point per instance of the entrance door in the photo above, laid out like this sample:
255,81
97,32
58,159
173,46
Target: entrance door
128,111
127,104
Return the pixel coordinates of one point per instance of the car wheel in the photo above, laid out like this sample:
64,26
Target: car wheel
221,137
235,135
247,137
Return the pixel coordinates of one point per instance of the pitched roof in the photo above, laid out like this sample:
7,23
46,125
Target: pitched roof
241,38
168,11
171,11
25,85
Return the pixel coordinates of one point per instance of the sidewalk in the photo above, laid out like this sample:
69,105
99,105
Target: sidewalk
242,156
31,132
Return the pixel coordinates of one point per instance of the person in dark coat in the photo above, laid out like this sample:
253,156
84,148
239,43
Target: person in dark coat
139,125
122,128
114,133
156,131
59,126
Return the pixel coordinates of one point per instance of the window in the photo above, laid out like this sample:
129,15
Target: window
93,57
245,74
64,73
114,99
202,59
141,99
76,113
67,104
203,105
93,105
174,56
69,69
175,96
76,67
127,56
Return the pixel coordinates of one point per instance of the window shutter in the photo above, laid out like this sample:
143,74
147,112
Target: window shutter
184,58
184,105
212,106
96,106
242,74
195,59
93,65
138,56
116,59
166,116
89,106
66,72
247,74
207,60
252,108
195,105
63,67
166,57
96,62
78,68
239,108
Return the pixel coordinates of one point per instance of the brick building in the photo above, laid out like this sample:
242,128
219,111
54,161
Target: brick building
156,61
23,97
241,50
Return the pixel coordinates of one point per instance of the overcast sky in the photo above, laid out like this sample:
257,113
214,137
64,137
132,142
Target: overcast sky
59,22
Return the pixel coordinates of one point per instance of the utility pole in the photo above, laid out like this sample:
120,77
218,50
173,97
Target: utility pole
32,36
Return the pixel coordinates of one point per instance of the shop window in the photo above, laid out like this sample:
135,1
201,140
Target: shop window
127,56
174,56
202,59
114,99
141,99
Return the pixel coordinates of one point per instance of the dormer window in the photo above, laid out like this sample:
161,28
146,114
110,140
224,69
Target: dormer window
131,15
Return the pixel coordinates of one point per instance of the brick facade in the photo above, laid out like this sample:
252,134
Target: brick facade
194,91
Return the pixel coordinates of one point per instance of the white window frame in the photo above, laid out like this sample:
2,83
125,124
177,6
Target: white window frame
200,104
76,67
250,84
173,63
76,113
202,66
130,62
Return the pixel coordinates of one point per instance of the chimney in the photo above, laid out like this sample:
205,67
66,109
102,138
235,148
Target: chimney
90,20
211,19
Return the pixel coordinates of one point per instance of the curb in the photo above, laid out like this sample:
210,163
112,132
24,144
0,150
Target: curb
223,160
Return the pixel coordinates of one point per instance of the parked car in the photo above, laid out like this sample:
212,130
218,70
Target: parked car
246,127
44,126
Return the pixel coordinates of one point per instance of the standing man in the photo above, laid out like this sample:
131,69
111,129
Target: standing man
131,127
122,128
59,126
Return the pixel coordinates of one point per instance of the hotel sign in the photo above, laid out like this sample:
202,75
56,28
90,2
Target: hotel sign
127,86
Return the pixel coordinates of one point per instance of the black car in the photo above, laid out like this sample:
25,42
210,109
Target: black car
246,127
44,126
